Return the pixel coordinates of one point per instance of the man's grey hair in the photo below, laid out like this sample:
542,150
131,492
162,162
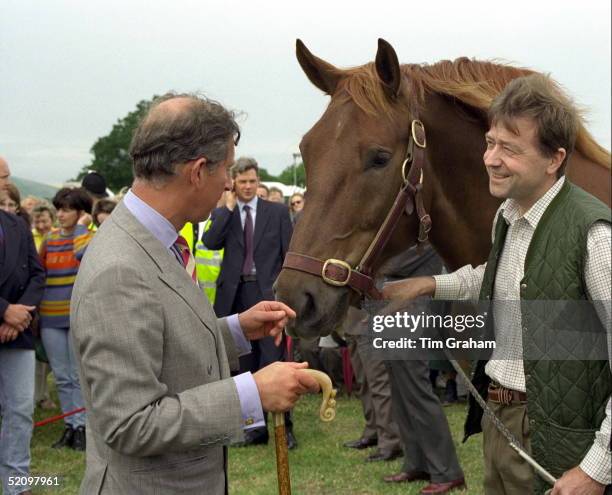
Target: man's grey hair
244,164
167,137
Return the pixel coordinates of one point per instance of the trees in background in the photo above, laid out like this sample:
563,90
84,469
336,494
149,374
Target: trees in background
110,152
111,158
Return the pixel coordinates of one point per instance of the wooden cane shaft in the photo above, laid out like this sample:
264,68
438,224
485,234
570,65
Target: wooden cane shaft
282,455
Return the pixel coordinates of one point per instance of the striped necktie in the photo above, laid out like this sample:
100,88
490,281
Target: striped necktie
186,257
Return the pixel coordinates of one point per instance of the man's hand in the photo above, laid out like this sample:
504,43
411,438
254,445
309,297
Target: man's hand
281,384
18,316
577,482
230,200
7,333
409,288
266,318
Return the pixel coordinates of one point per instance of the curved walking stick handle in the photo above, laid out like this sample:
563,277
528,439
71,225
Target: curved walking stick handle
327,413
328,407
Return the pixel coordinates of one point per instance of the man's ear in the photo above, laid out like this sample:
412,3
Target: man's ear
556,160
197,171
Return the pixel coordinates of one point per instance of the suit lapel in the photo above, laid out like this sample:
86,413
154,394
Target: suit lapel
11,245
172,273
261,222
237,225
192,295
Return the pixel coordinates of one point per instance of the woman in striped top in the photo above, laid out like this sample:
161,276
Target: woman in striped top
61,255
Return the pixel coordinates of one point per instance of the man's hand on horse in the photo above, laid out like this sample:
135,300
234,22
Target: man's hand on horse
409,288
577,482
266,318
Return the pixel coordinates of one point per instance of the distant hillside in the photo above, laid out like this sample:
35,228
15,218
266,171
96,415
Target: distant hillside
32,188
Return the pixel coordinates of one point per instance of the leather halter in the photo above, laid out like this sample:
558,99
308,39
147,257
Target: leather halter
410,198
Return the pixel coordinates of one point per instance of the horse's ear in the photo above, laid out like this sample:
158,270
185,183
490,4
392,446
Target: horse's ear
321,73
388,68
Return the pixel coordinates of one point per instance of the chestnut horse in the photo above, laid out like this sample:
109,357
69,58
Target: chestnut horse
353,157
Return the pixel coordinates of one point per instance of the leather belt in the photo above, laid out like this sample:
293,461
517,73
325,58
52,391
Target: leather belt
248,278
506,396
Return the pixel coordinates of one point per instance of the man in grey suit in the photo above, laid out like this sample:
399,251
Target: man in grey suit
154,359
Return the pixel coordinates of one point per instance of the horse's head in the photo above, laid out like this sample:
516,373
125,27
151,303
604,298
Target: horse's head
353,157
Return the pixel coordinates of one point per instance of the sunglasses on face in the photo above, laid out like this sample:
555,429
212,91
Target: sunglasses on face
298,202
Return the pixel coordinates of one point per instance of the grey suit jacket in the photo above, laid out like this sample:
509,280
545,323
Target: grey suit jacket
154,369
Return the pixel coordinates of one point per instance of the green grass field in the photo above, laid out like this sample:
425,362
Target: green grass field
320,465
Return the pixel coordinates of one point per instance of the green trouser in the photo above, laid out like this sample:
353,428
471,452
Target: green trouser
506,473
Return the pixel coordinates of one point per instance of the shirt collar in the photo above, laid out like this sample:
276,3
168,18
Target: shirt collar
511,210
153,221
252,204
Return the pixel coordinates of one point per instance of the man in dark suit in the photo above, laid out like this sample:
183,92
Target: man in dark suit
255,234
22,281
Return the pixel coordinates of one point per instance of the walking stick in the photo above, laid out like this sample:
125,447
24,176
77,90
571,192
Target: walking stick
327,413
512,441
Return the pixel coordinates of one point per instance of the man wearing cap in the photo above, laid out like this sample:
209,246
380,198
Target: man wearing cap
95,185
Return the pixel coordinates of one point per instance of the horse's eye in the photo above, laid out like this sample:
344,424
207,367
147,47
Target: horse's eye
377,159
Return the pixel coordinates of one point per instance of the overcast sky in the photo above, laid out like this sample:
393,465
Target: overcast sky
70,69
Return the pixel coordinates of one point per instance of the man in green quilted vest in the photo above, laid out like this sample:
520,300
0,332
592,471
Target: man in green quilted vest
551,241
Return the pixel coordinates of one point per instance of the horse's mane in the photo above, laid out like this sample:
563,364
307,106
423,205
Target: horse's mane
473,82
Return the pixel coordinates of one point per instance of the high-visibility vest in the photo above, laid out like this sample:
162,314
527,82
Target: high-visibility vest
208,264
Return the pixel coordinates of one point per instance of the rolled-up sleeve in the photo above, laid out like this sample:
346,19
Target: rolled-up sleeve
464,284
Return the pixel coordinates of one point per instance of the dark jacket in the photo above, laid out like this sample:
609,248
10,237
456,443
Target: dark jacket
270,244
22,278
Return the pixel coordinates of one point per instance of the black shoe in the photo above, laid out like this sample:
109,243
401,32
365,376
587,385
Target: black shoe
66,439
255,437
291,441
384,455
361,443
78,441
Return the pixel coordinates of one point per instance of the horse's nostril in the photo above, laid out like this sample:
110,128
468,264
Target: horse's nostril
309,306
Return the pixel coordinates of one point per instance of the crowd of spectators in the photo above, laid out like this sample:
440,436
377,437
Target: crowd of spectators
61,229
41,244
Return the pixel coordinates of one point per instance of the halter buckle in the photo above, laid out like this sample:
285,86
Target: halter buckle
417,126
343,264
407,162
